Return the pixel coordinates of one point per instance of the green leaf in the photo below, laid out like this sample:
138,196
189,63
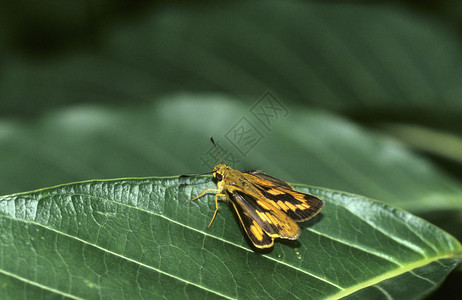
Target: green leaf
429,140
144,238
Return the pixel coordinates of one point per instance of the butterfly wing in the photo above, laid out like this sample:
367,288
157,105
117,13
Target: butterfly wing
273,180
258,214
255,233
297,205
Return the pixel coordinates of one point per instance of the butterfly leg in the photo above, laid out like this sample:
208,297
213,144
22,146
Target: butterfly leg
203,193
216,207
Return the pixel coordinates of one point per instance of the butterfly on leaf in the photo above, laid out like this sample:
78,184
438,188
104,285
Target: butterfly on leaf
267,207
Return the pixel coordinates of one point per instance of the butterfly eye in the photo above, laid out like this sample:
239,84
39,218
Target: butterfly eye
218,176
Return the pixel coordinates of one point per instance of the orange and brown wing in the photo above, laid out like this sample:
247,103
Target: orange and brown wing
255,233
261,220
297,205
272,180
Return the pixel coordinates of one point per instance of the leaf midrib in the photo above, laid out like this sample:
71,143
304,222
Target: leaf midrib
352,289
34,283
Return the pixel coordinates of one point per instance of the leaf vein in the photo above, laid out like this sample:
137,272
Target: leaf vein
25,280
112,253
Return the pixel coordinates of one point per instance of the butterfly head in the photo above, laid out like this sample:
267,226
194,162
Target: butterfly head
219,172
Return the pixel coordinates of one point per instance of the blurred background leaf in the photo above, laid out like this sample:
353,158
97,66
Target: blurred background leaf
107,89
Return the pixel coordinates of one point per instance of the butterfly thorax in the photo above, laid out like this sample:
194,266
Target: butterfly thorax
228,179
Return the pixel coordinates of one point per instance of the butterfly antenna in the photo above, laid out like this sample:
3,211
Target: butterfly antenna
216,148
194,175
